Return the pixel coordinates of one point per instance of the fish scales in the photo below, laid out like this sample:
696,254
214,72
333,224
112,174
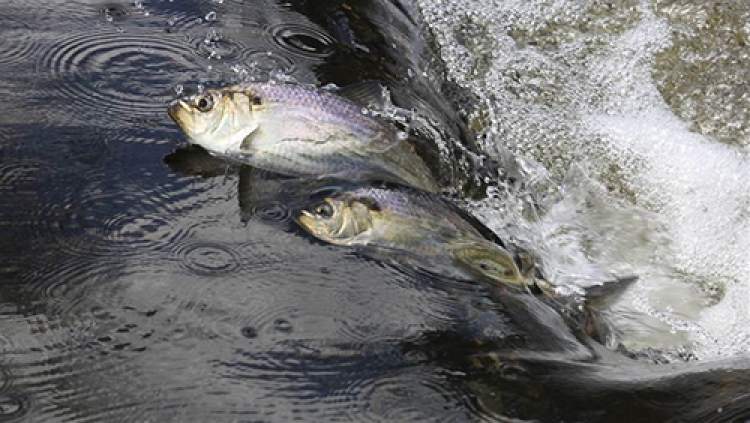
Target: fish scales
299,131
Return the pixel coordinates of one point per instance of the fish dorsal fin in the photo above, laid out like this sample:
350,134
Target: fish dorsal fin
370,94
594,321
608,291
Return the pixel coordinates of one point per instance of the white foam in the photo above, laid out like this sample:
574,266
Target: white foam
683,213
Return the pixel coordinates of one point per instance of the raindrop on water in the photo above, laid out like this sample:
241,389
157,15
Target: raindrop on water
249,332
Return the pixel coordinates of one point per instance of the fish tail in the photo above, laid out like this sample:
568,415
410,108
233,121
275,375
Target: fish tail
409,168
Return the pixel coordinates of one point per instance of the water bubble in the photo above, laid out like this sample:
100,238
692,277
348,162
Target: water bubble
210,16
212,36
282,325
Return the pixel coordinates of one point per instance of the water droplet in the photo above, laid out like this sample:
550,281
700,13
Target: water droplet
249,332
212,36
210,16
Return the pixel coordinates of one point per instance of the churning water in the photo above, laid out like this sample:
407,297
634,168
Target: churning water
144,281
638,112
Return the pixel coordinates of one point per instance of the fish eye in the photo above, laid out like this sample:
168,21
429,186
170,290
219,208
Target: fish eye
324,210
205,103
256,103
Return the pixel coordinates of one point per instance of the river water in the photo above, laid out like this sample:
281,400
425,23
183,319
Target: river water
142,280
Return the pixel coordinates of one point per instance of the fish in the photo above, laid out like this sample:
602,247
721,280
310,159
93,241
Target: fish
411,222
299,131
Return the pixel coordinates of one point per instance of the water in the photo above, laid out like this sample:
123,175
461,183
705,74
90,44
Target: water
143,281
626,94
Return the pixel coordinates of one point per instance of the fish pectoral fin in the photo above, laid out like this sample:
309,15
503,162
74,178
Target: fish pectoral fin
246,146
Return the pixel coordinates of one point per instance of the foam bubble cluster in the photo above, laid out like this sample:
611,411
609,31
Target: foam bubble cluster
570,85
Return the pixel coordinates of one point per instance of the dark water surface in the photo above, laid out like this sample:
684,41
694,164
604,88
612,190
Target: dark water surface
143,282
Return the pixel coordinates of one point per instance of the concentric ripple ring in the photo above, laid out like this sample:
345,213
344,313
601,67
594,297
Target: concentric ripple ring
302,40
126,74
208,259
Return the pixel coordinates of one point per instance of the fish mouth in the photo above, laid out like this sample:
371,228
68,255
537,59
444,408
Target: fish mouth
177,109
306,220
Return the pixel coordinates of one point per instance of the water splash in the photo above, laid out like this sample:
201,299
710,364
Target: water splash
567,83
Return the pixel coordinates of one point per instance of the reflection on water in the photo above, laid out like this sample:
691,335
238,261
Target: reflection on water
141,282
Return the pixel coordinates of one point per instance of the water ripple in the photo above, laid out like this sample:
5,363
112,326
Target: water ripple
266,62
406,396
217,46
120,73
207,258
274,212
19,173
17,45
12,407
302,40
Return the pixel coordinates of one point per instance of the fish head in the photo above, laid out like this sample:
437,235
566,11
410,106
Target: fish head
218,120
339,220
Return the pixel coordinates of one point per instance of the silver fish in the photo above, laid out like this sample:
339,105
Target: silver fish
299,131
412,222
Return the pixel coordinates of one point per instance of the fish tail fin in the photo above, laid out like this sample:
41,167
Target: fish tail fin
410,169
